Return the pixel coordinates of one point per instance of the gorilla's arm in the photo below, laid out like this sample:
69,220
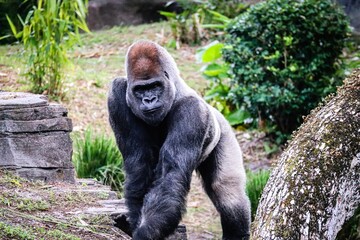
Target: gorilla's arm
179,156
136,153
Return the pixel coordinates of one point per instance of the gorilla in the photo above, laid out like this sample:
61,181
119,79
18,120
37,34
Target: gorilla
165,132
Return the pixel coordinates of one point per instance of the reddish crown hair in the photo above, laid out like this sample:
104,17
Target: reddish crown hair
143,61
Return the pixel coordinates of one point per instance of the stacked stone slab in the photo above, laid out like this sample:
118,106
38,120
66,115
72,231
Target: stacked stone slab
34,137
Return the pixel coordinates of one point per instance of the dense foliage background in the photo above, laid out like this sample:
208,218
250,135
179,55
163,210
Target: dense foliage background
284,57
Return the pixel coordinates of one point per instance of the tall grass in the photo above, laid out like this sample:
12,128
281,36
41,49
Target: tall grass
256,182
97,156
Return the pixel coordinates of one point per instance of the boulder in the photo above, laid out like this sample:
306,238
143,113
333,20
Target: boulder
34,137
108,13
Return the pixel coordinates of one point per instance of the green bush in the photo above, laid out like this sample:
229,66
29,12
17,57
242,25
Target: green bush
48,31
255,184
97,156
284,56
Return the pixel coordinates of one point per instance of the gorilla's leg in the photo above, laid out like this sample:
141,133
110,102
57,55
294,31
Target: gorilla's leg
224,181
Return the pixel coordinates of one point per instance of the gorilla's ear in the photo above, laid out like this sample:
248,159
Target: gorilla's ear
143,60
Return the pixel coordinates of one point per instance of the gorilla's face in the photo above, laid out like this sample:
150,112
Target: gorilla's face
151,98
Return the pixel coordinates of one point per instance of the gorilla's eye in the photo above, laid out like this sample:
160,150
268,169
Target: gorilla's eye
140,90
166,75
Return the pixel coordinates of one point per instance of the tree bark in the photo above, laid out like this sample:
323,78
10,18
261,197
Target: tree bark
315,186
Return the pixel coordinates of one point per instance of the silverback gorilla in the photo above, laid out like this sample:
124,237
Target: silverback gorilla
165,131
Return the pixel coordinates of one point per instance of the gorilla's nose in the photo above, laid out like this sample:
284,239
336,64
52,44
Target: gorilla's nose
148,101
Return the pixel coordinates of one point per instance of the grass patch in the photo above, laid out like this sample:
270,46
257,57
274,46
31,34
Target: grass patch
256,182
97,156
12,199
14,232
8,231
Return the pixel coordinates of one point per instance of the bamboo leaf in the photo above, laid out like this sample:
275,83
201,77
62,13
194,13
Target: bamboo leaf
12,26
216,26
5,36
168,14
219,16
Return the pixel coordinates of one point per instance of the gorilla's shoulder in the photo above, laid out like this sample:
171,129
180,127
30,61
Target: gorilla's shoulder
190,105
117,94
117,88
118,83
187,101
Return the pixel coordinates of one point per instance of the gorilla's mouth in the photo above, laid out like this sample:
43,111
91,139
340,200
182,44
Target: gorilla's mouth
151,110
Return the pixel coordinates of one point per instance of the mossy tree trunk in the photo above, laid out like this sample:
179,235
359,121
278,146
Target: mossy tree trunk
315,186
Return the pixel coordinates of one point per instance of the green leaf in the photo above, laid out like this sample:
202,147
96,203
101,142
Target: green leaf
168,14
40,4
216,26
12,26
217,91
293,67
238,117
276,55
81,8
219,16
288,40
5,36
212,52
215,69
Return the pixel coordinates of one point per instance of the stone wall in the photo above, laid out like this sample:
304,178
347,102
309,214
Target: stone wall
34,137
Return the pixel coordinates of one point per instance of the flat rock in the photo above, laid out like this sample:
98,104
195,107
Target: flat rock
35,126
52,110
48,175
89,187
15,100
42,150
117,210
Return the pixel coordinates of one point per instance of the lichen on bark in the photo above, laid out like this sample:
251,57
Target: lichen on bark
315,186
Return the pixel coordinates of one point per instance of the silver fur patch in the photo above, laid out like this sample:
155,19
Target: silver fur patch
217,134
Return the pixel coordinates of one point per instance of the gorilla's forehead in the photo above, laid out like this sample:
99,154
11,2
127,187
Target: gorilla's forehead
144,60
144,68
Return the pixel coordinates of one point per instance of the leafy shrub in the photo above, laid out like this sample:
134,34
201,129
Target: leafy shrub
256,182
227,8
48,31
98,157
201,20
217,72
12,8
283,55
185,25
